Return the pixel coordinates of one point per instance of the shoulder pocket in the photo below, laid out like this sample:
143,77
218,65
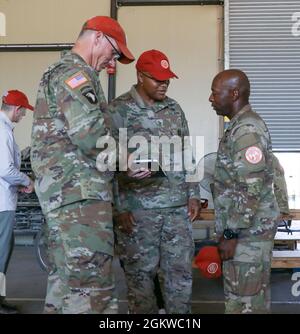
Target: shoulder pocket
247,140
81,89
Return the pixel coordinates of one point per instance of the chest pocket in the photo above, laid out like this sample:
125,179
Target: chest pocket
168,122
224,163
141,123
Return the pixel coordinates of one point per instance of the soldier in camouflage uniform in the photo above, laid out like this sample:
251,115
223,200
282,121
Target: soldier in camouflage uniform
74,195
152,215
245,206
280,188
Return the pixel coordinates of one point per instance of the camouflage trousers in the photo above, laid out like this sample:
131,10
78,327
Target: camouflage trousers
80,247
247,278
160,243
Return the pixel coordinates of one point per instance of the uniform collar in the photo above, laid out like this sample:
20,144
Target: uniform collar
157,106
6,120
68,55
245,109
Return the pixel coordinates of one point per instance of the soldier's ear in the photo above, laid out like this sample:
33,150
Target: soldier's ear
235,94
140,77
98,36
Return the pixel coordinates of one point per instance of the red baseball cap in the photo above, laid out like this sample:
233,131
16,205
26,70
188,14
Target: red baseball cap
156,64
111,28
209,262
16,98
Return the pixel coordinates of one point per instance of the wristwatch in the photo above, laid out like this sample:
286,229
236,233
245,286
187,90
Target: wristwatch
228,234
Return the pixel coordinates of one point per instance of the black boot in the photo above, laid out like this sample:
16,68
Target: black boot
6,308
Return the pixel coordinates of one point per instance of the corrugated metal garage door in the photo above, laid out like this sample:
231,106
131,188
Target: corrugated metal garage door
263,39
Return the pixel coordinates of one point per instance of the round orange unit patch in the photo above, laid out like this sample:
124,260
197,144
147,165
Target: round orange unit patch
213,268
164,64
253,155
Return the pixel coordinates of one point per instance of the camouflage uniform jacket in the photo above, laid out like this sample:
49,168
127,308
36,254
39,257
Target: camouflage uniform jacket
68,120
280,187
243,188
164,118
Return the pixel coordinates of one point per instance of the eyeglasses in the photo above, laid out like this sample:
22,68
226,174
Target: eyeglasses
21,111
117,54
159,82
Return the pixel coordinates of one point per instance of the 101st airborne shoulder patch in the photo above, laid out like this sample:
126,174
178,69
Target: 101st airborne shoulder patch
89,94
76,80
253,155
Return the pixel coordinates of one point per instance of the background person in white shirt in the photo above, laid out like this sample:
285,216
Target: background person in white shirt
13,109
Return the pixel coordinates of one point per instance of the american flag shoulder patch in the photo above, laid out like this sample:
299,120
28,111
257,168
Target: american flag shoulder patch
76,80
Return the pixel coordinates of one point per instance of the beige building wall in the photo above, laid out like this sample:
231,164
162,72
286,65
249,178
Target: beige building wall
189,35
23,71
48,21
39,21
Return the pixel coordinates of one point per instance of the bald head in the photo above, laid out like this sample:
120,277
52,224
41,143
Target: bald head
235,79
230,92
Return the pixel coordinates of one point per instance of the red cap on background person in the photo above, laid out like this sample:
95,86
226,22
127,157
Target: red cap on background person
156,64
209,262
111,28
16,98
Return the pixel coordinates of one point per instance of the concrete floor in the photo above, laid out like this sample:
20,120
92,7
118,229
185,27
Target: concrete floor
27,288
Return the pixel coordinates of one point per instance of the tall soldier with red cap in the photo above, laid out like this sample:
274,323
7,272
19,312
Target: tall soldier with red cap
154,233
13,109
76,197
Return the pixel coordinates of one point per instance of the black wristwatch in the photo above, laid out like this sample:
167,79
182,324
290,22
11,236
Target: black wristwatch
228,234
